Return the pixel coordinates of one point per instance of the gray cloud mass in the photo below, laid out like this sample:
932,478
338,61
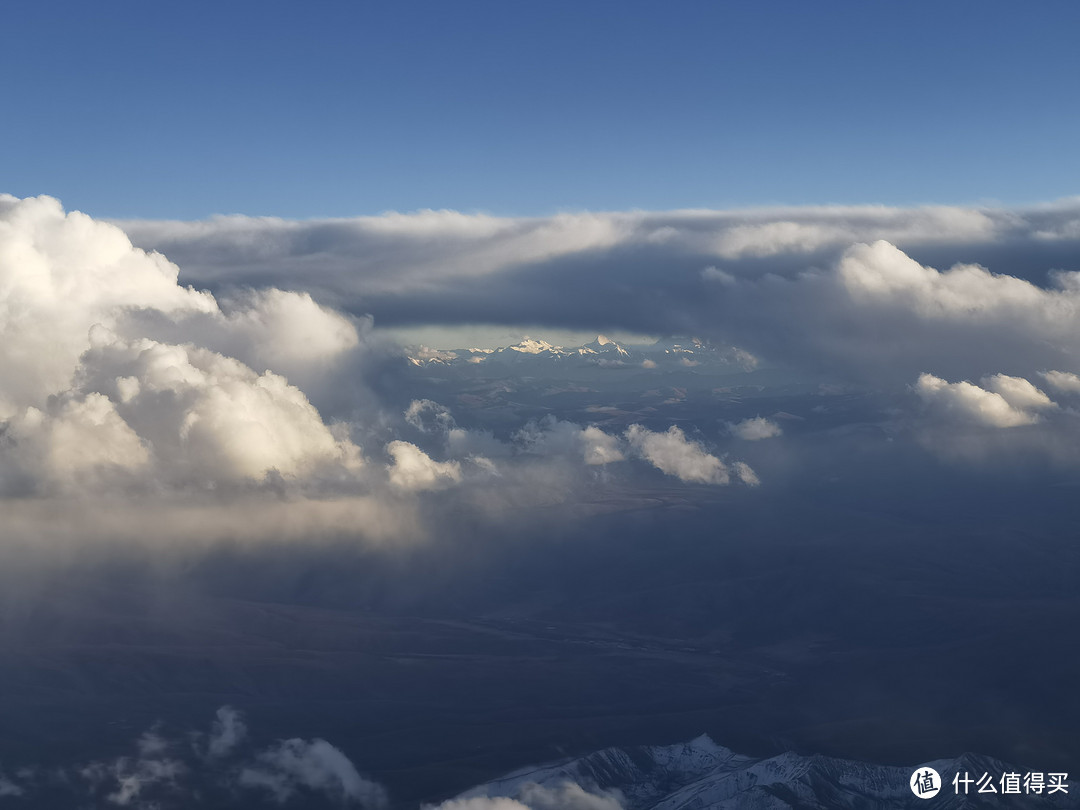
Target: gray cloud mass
237,388
871,295
878,292
130,394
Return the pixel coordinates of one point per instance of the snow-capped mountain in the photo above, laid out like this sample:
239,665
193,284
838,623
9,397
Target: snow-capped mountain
604,345
701,775
679,353
531,346
526,351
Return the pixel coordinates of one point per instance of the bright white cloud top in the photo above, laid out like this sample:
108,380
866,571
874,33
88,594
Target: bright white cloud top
89,400
990,408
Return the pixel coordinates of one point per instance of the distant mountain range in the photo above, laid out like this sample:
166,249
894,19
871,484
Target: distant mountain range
603,352
701,775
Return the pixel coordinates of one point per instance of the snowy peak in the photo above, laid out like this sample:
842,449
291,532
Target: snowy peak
679,344
531,346
701,775
538,356
605,345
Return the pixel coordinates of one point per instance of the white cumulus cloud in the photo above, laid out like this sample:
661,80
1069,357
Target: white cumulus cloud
555,437
1010,405
413,469
1063,380
673,454
1018,392
563,794
88,398
316,765
756,428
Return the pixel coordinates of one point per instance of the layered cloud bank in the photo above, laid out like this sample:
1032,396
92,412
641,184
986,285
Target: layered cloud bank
395,252
126,382
121,382
876,292
922,303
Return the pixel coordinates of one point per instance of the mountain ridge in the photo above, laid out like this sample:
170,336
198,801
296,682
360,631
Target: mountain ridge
701,775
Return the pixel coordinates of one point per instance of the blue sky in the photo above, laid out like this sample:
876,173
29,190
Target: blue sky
128,109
